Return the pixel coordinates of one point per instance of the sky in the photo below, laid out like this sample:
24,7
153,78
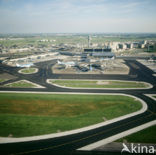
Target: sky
77,16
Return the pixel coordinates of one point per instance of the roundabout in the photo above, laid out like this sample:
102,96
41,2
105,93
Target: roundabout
28,70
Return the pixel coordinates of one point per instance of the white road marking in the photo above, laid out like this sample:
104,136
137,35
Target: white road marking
117,136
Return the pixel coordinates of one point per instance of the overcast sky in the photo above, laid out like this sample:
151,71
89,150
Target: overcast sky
76,16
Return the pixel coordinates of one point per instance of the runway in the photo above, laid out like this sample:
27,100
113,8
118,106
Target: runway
69,144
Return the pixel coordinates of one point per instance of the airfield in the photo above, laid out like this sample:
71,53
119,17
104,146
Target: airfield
80,141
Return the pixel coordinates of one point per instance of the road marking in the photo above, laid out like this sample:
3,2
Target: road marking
152,112
151,96
116,137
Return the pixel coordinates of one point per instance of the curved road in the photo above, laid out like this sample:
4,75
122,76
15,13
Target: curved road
68,144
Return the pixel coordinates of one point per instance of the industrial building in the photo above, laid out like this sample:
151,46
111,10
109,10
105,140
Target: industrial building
91,50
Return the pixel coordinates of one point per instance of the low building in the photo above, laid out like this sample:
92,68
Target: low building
109,55
122,46
151,47
135,45
129,45
91,50
141,46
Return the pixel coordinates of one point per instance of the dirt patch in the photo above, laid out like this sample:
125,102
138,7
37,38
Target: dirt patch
102,82
7,76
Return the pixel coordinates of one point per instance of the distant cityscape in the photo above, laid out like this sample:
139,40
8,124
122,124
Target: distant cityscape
81,42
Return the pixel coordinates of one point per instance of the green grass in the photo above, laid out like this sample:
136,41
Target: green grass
99,84
3,80
21,84
145,136
36,114
28,70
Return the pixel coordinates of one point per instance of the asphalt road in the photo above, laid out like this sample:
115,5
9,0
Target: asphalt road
69,144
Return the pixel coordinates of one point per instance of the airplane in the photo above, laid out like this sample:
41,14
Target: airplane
24,65
67,64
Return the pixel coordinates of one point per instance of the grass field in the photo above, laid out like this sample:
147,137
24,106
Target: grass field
36,114
145,136
3,80
28,70
99,84
21,84
80,39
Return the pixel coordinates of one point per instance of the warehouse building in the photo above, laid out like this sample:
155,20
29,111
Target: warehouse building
91,50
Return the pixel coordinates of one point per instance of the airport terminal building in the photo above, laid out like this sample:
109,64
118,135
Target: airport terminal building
100,52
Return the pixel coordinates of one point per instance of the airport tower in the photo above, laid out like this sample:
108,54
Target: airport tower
89,38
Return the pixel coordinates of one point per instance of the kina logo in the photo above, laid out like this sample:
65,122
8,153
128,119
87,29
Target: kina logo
137,148
125,148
